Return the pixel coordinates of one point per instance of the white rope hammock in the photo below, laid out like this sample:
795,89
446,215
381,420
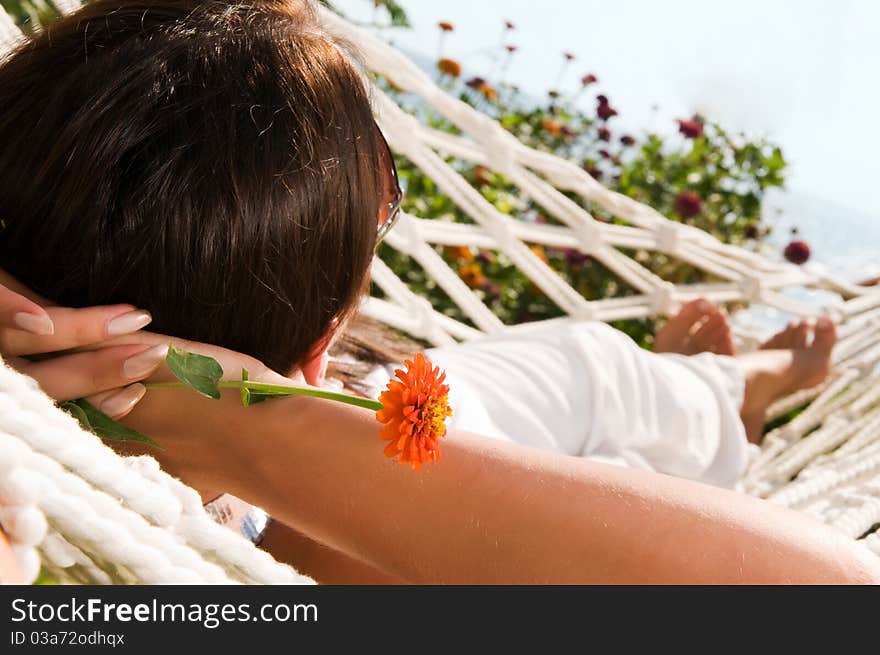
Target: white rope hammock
95,517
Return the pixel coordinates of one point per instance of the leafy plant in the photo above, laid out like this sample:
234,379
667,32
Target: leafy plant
703,176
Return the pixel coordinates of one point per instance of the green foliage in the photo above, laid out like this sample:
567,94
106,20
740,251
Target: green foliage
28,14
197,371
396,13
703,176
94,420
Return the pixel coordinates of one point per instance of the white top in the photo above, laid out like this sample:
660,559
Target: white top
586,389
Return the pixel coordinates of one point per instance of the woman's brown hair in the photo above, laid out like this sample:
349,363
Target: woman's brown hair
212,162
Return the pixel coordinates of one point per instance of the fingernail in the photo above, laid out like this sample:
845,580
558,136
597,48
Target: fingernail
122,401
142,364
128,323
823,324
34,323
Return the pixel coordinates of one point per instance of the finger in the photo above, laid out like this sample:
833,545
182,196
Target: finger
75,327
19,313
87,373
231,361
118,403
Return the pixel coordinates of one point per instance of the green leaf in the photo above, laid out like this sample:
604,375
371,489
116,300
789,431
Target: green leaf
397,13
198,371
97,422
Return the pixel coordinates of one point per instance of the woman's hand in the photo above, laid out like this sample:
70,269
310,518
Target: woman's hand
30,330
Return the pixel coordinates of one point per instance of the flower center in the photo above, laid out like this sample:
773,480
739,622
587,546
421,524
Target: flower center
434,415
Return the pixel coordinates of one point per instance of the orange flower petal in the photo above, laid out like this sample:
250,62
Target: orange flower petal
414,412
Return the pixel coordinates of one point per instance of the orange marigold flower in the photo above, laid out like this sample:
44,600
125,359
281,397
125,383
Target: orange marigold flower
459,252
540,252
445,26
482,175
551,126
472,275
415,407
489,92
449,67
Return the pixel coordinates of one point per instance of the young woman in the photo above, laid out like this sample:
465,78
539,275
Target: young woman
217,165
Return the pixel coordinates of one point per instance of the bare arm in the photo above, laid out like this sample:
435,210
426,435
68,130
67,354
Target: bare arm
325,565
488,512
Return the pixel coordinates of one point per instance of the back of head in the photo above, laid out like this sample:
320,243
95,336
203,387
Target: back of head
211,162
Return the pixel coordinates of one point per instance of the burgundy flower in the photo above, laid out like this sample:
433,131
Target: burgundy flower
445,26
593,170
485,256
569,56
604,110
476,82
604,153
553,93
491,289
627,140
509,25
688,204
604,134
752,231
511,48
575,258
691,129
797,252
567,131
589,79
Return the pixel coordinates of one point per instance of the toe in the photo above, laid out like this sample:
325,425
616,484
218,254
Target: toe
800,335
725,345
674,336
709,335
781,340
825,335
693,311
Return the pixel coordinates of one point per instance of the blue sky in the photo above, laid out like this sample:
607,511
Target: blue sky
803,73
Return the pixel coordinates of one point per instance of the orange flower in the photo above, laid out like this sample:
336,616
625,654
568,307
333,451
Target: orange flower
489,91
551,126
540,252
446,26
482,175
459,253
449,67
415,408
472,275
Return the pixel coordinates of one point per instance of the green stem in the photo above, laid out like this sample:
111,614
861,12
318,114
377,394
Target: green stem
280,390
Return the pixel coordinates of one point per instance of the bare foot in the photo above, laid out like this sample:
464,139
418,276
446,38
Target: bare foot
772,374
794,336
699,327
